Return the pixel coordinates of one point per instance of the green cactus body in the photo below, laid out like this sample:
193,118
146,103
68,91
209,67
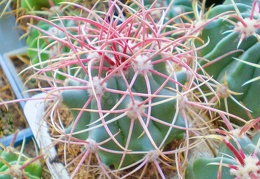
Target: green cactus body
42,50
37,5
228,71
249,2
204,168
11,162
235,82
33,41
256,137
244,141
138,134
177,7
214,32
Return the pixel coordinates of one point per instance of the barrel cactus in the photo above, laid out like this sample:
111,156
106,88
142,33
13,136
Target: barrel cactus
131,79
122,80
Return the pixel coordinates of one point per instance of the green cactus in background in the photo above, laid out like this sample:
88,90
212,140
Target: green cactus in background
232,37
42,50
238,157
11,166
38,5
14,164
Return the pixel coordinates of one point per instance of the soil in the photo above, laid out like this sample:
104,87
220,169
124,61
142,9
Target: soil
11,116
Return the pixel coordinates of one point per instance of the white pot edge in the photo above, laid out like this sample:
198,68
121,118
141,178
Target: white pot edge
33,111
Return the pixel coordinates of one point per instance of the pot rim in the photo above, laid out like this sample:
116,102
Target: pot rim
34,110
